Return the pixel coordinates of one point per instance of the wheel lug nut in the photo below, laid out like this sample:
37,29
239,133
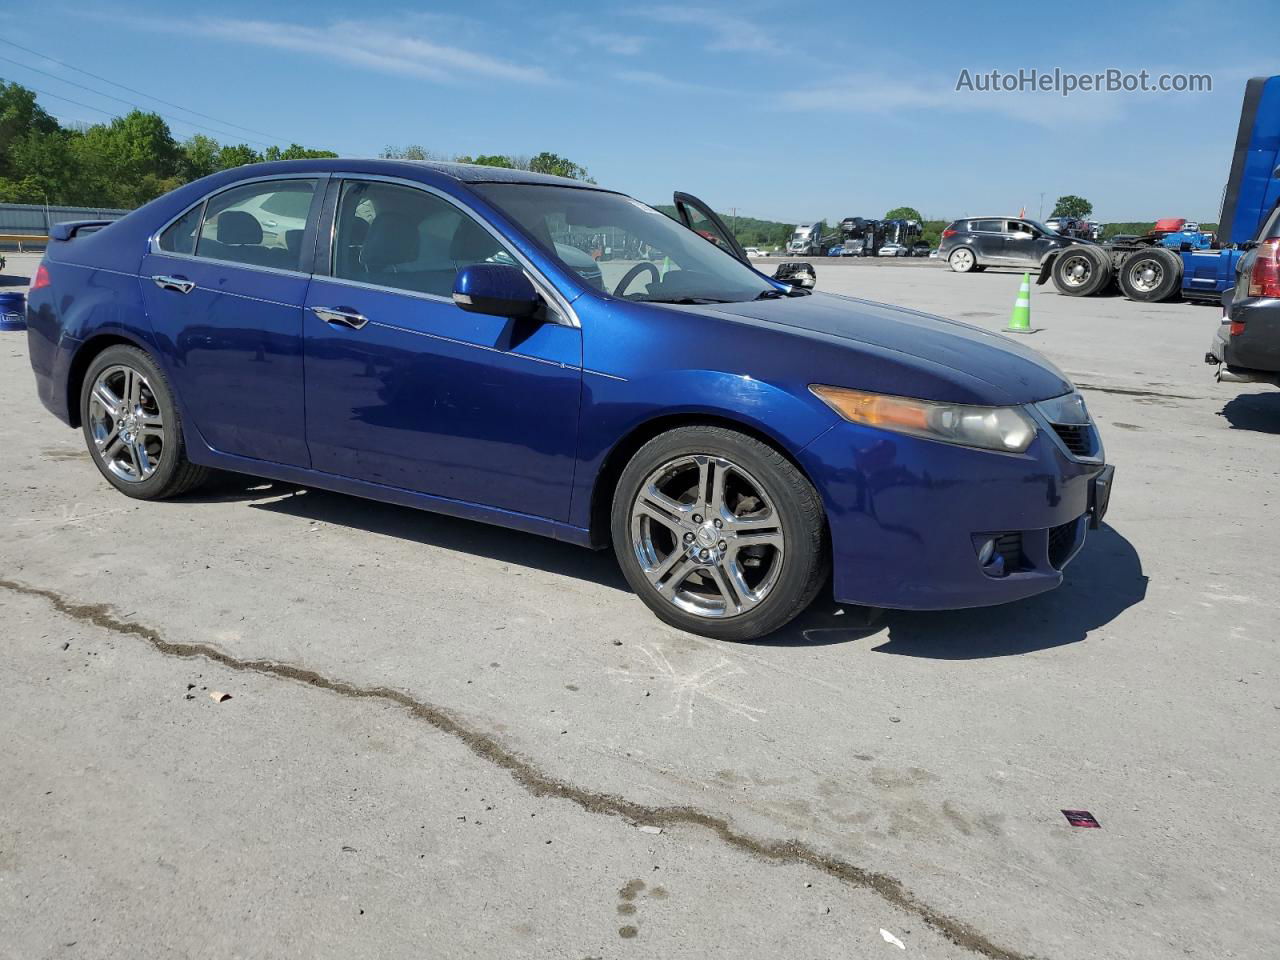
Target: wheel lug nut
688,538
719,524
705,554
722,545
697,518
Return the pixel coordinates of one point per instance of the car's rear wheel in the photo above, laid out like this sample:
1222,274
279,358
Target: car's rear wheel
1151,276
131,426
718,533
1080,271
962,260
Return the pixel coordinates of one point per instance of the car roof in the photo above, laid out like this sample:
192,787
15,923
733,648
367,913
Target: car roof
461,172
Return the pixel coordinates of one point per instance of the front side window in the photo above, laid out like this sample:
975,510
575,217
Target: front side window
396,236
640,254
261,224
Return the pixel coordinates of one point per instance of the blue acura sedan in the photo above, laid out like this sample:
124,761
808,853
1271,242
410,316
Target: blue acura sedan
559,358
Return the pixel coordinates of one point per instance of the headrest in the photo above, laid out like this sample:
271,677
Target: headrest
293,240
472,243
392,239
237,226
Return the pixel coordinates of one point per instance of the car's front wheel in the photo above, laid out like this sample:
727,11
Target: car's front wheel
131,426
719,533
962,260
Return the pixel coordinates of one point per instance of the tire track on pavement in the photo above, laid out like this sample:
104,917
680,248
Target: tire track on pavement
540,784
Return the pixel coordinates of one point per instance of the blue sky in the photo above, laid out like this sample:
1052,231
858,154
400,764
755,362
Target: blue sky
790,112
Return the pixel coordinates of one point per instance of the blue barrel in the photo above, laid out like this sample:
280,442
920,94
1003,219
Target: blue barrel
13,311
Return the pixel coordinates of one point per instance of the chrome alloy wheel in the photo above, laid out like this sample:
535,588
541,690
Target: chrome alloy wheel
1077,270
962,260
126,424
707,536
1146,275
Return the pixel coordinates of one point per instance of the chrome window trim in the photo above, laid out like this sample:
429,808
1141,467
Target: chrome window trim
562,310
153,244
567,317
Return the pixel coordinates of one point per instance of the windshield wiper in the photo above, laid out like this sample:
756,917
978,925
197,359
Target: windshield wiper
771,294
683,300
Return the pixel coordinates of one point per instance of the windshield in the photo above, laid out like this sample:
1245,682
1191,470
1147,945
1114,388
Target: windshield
1040,226
639,253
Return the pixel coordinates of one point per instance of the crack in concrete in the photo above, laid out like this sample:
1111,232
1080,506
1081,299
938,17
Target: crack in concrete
540,784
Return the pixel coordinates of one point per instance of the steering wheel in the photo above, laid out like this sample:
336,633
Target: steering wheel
631,274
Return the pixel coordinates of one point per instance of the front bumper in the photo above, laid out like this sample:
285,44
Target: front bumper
909,517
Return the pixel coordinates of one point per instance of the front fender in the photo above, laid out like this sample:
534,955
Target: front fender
616,411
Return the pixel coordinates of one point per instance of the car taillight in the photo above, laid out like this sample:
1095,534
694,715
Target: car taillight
1264,278
948,233
41,279
1236,328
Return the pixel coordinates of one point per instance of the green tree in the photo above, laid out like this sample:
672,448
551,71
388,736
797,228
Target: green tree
558,166
130,160
199,157
20,116
414,151
1072,206
903,213
489,160
295,151
237,155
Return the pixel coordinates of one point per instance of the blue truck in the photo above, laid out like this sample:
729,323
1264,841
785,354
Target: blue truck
1160,267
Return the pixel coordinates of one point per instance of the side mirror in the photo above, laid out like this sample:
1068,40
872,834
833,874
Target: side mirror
495,288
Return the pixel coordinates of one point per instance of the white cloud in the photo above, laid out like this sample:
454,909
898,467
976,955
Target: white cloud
622,44
378,46
648,78
727,32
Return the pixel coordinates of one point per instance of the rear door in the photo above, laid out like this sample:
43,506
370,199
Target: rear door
989,240
224,286
702,220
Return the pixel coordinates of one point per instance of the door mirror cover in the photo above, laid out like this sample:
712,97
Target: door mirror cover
497,289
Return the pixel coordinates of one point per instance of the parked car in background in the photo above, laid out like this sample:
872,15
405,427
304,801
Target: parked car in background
1246,347
980,242
755,253
921,249
894,250
434,342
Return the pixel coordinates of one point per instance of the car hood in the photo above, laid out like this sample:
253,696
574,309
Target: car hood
1010,372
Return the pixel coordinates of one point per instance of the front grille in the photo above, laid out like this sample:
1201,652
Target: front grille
1077,437
1062,541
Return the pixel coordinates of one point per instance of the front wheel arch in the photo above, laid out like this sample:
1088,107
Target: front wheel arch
625,448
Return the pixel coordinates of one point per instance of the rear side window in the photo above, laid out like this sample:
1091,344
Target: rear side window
987,226
260,224
180,237
408,239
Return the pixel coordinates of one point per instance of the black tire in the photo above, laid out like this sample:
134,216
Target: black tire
962,260
1151,275
805,561
173,473
1081,271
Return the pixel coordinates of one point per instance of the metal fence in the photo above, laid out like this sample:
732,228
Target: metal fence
21,220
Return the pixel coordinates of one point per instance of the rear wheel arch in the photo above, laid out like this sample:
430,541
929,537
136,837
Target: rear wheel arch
81,360
620,454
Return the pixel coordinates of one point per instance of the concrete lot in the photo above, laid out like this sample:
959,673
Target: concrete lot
446,739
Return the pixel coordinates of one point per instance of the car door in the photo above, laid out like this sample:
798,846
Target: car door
407,390
989,238
701,219
1020,244
223,287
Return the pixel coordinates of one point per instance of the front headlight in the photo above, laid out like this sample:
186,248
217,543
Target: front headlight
992,428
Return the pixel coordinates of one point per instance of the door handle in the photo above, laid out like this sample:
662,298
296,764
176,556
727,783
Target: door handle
177,284
341,316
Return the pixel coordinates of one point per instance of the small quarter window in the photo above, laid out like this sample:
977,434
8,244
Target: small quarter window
181,235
